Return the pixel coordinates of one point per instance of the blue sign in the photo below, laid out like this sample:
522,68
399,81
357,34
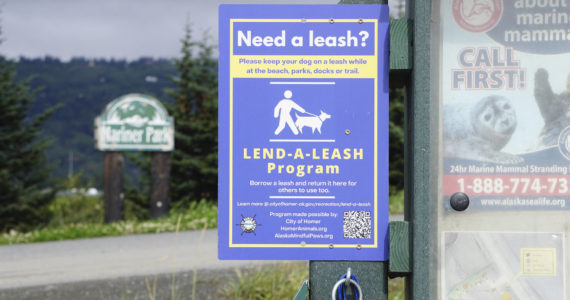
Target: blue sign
303,132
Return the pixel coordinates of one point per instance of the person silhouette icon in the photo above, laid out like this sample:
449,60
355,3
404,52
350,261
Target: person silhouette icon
283,112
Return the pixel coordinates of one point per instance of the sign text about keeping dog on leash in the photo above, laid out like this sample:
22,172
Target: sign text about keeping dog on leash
303,134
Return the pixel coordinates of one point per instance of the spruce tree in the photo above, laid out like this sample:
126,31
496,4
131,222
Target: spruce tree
194,170
23,170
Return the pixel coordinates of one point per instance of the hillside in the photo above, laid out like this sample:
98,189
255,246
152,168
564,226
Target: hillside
83,88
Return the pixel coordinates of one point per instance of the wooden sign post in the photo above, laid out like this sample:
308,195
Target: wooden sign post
159,184
113,196
135,122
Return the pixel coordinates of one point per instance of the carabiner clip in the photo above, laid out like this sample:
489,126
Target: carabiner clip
344,284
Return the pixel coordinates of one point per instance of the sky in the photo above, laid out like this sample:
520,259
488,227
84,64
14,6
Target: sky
120,29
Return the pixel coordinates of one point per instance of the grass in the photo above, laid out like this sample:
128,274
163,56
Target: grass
283,281
79,216
76,221
396,203
396,289
280,282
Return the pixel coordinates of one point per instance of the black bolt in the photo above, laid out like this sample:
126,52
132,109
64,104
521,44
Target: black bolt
459,201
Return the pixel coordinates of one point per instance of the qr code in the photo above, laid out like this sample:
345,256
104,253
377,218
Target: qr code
357,224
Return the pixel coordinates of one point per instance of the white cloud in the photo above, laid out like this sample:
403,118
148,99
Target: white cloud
107,28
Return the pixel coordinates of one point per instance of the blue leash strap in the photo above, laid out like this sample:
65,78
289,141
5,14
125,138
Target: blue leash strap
341,293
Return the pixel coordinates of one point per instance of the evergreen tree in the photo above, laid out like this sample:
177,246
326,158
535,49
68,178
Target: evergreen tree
23,169
194,170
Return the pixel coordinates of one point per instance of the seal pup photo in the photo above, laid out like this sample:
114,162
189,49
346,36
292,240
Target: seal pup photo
478,131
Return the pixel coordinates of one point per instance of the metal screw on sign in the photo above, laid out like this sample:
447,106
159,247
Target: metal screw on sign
331,21
360,21
342,289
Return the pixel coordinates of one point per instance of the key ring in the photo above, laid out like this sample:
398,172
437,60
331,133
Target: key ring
346,279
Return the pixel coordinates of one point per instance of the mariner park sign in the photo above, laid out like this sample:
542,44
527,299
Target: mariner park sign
134,122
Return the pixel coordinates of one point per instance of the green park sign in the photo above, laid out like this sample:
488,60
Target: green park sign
134,122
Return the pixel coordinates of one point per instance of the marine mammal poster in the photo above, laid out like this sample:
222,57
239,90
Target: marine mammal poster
505,95
303,132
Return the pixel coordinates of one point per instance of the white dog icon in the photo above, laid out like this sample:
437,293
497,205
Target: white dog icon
314,121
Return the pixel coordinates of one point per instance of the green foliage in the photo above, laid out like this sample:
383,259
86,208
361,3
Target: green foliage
24,172
277,282
79,216
84,87
396,201
194,170
73,205
199,215
396,289
137,192
396,148
282,282
76,208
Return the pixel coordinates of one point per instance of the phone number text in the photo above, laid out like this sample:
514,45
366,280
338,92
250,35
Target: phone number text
541,185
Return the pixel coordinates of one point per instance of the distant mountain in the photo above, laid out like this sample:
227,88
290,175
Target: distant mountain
84,87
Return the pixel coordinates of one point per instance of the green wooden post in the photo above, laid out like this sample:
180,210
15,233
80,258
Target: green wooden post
411,241
401,31
159,184
373,275
399,263
420,184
